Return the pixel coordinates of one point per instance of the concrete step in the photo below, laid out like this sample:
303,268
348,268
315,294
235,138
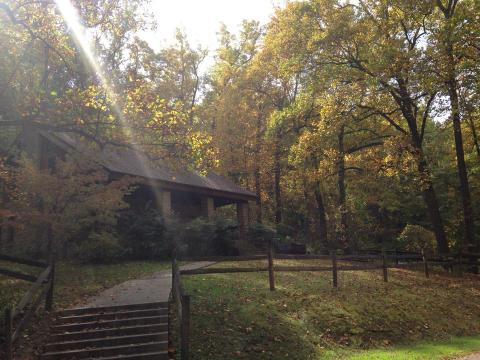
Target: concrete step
121,314
109,351
103,333
159,355
110,324
109,309
106,341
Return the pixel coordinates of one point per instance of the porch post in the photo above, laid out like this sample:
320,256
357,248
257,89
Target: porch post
166,204
242,218
208,208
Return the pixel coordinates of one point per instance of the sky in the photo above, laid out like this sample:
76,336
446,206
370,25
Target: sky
201,19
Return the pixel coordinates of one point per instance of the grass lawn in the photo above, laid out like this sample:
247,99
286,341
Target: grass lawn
410,317
75,282
448,349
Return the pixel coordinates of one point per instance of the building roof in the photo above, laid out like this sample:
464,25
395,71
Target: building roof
127,161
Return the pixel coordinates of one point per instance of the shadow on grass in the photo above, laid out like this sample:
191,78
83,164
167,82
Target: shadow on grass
238,317
235,315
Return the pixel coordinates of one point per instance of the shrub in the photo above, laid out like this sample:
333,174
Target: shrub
100,247
203,237
68,203
144,235
417,238
286,231
226,233
261,235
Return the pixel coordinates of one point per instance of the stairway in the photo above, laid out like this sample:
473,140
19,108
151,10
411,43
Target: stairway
138,331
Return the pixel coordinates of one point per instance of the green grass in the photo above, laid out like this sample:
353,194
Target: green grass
431,350
236,316
12,290
410,317
75,282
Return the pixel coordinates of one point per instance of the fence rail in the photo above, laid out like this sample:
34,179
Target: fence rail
378,261
18,318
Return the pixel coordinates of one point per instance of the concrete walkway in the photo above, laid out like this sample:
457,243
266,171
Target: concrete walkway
152,288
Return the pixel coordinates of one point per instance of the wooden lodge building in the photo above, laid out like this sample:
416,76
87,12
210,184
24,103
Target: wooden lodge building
175,192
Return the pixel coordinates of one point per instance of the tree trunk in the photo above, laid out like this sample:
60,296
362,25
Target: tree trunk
469,227
430,198
258,184
277,177
342,193
321,216
471,124
428,192
258,191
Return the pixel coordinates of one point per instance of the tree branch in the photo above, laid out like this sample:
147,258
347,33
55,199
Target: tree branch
33,35
364,146
386,117
426,113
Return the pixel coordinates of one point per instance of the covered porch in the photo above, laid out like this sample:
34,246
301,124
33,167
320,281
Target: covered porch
187,203
175,192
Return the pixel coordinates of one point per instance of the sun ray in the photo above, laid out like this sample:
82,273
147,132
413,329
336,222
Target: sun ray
72,19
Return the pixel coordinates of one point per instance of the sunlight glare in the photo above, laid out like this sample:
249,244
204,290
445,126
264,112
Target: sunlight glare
72,19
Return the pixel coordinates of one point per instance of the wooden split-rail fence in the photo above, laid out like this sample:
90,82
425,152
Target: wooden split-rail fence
359,262
381,261
181,302
16,319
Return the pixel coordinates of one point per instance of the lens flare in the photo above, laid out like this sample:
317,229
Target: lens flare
84,44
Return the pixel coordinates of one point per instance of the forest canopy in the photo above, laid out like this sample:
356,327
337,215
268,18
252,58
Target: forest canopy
355,123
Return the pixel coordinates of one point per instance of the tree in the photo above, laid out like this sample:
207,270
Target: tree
84,201
237,105
377,45
451,49
65,92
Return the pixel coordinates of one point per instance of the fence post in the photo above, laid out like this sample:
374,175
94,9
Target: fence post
8,334
384,265
49,298
334,268
174,269
271,274
460,265
185,328
425,264
11,235
396,257
173,278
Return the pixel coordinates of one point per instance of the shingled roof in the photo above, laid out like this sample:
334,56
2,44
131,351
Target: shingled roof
127,161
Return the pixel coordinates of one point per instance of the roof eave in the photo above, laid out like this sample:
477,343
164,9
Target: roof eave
170,185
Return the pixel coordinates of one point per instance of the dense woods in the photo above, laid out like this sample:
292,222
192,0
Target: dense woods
354,123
